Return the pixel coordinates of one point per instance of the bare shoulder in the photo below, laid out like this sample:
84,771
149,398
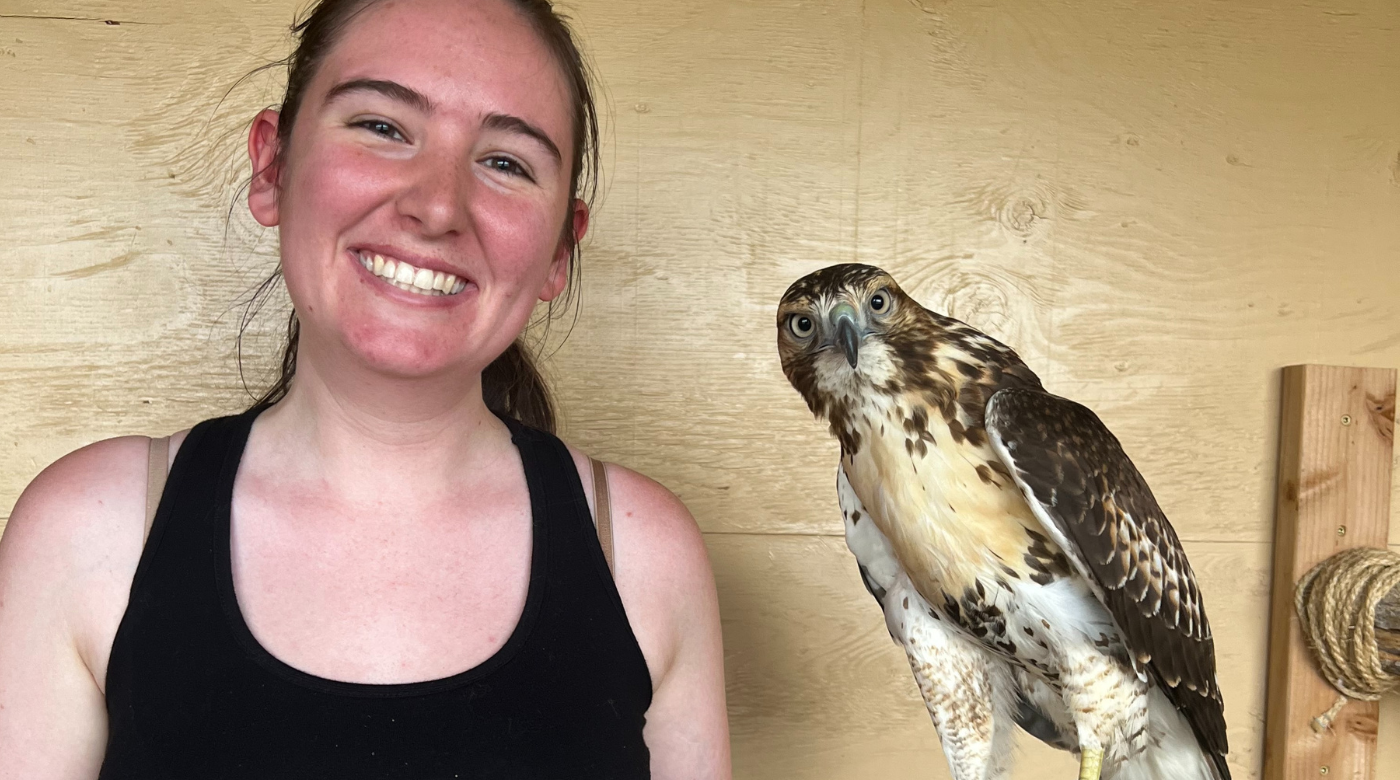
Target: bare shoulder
660,564
656,536
100,488
655,519
66,561
662,571
85,491
663,574
75,527
74,538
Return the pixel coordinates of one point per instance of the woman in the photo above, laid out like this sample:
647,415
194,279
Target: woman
377,576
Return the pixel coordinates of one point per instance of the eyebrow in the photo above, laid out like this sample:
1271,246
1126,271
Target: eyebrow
390,89
514,124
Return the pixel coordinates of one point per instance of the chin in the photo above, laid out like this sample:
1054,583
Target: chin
409,354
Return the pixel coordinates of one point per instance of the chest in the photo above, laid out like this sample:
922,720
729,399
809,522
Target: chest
939,493
384,594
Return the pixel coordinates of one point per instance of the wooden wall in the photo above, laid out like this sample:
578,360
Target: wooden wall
1158,203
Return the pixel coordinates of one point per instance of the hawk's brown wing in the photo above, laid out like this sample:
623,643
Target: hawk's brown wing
1075,473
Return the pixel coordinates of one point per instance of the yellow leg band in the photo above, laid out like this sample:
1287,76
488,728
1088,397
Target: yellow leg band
1090,764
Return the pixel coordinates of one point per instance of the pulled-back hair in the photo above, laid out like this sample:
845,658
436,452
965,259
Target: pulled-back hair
512,384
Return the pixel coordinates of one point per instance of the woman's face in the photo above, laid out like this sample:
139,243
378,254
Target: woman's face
434,142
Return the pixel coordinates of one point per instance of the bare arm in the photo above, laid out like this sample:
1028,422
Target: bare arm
663,575
72,541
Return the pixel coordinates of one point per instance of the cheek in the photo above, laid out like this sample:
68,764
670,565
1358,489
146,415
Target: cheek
520,234
324,192
330,186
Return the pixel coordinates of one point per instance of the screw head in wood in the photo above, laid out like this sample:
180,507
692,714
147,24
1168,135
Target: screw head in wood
1346,419
1324,770
1341,530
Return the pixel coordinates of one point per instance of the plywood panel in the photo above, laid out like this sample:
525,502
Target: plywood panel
1159,204
1159,210
120,305
1154,242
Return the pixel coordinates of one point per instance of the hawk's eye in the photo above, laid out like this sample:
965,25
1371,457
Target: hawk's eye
800,325
880,302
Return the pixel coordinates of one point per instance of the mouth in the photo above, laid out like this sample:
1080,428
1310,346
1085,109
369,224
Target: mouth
410,278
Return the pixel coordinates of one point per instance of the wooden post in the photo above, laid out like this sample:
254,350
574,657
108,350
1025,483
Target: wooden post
1335,443
1387,625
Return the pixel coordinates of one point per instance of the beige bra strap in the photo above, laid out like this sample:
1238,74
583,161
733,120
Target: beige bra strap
602,510
157,463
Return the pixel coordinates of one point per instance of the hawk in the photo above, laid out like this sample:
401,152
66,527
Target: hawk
1019,557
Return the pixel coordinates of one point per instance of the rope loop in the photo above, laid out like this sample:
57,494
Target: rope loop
1336,604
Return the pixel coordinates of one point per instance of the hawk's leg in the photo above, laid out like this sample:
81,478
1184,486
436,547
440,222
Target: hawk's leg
966,689
1091,764
1108,703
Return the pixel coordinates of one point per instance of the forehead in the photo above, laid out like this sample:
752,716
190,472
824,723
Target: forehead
834,280
470,57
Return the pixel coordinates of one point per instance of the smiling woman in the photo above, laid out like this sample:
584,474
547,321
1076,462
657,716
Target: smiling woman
457,614
510,384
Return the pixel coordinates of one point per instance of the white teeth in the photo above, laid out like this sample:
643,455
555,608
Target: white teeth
407,277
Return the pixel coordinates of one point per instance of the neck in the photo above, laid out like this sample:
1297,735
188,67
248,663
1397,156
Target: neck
361,432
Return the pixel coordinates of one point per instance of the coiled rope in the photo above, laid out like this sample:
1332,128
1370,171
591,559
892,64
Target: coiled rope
1336,604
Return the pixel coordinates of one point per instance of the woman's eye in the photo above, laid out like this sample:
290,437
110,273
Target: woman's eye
879,302
507,166
381,128
800,325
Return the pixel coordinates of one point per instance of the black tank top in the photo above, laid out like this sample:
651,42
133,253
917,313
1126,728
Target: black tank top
191,694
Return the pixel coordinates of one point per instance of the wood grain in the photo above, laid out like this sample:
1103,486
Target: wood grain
1159,204
1335,452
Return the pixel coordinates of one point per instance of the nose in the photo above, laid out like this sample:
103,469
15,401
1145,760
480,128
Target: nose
436,196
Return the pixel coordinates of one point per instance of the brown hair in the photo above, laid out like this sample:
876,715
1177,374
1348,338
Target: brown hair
512,384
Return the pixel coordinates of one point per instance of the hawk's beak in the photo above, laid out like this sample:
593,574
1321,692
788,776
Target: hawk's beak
843,320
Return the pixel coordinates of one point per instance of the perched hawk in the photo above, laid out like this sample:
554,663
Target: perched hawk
1019,556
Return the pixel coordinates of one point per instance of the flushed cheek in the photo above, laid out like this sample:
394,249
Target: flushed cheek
340,186
323,200
518,234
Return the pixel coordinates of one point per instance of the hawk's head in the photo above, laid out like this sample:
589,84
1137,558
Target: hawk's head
835,327
848,332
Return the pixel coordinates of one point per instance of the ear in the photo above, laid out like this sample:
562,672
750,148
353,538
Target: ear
559,271
263,148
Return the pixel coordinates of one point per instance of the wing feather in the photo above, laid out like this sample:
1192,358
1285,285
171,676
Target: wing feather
1067,462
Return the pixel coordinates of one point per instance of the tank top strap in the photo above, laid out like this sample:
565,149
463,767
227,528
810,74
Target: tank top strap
206,461
550,470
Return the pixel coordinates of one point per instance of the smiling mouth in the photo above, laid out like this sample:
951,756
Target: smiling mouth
407,277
